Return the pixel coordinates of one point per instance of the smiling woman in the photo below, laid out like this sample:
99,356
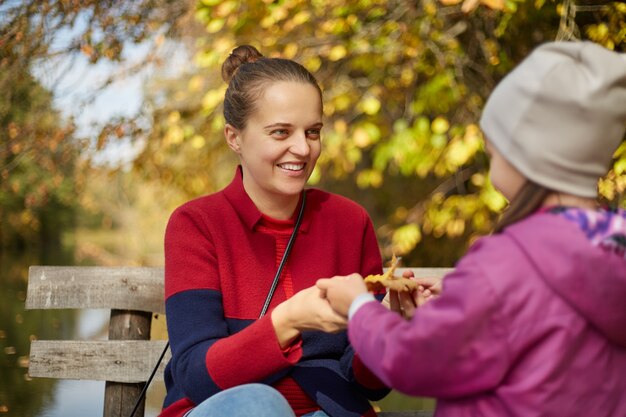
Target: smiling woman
279,146
259,245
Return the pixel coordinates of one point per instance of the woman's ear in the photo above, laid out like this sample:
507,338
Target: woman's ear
232,138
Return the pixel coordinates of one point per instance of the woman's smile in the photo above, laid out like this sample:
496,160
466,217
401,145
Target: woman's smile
292,168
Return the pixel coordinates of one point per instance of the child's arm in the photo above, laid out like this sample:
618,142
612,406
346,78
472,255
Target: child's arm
453,346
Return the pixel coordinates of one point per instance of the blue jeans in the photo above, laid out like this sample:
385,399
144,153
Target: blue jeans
244,401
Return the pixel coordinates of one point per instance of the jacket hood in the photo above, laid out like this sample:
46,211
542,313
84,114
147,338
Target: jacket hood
581,267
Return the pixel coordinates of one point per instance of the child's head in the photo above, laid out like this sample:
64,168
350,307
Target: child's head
559,115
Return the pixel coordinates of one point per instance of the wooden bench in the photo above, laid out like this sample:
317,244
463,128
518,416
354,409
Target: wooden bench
126,360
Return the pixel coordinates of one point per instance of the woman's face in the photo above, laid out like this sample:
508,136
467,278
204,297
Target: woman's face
504,176
281,142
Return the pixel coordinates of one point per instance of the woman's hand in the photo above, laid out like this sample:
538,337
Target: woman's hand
306,310
340,291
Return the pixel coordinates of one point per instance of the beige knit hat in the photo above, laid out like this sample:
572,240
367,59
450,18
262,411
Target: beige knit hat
560,114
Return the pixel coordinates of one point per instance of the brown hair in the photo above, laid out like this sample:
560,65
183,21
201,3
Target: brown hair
247,72
529,198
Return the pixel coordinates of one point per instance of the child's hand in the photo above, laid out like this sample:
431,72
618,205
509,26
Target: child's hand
429,288
404,303
401,302
340,291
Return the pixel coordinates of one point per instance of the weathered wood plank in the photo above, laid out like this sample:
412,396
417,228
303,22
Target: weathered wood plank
134,288
120,397
124,288
97,360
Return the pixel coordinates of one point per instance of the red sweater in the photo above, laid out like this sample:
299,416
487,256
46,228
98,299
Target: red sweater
219,265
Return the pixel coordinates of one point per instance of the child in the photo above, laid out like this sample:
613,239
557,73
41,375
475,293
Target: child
532,322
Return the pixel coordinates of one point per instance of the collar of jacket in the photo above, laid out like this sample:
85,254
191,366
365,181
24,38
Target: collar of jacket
247,210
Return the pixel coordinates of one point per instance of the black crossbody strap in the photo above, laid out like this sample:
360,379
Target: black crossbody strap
270,294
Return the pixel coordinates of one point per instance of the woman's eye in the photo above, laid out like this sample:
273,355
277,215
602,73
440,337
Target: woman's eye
279,132
313,133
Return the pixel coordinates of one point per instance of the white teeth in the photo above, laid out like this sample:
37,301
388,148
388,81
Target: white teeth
292,167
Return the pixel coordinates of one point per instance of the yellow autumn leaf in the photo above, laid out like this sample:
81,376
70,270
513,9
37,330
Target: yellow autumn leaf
340,126
493,4
455,228
313,63
290,50
174,135
212,99
197,142
173,117
405,238
493,199
337,52
606,188
620,167
195,83
370,105
440,125
369,178
301,17
215,25
361,138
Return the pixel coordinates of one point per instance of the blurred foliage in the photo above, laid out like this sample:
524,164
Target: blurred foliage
38,187
404,83
122,221
42,162
97,29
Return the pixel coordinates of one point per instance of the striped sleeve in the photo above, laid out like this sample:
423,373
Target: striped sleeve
206,358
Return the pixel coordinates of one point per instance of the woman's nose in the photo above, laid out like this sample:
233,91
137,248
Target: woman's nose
300,145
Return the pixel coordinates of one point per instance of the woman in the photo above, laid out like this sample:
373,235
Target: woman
223,251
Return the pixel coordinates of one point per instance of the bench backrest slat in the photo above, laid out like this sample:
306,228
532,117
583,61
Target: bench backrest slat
123,288
97,360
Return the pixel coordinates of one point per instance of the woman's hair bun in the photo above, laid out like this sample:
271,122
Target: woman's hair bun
240,55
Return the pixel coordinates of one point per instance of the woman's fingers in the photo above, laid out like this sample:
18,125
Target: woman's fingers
394,301
340,291
407,304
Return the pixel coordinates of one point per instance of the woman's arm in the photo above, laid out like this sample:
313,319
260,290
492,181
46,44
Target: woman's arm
209,351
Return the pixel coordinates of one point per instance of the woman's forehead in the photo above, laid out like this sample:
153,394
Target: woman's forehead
291,101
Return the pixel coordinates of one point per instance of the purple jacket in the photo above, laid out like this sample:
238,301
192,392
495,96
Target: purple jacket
532,322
